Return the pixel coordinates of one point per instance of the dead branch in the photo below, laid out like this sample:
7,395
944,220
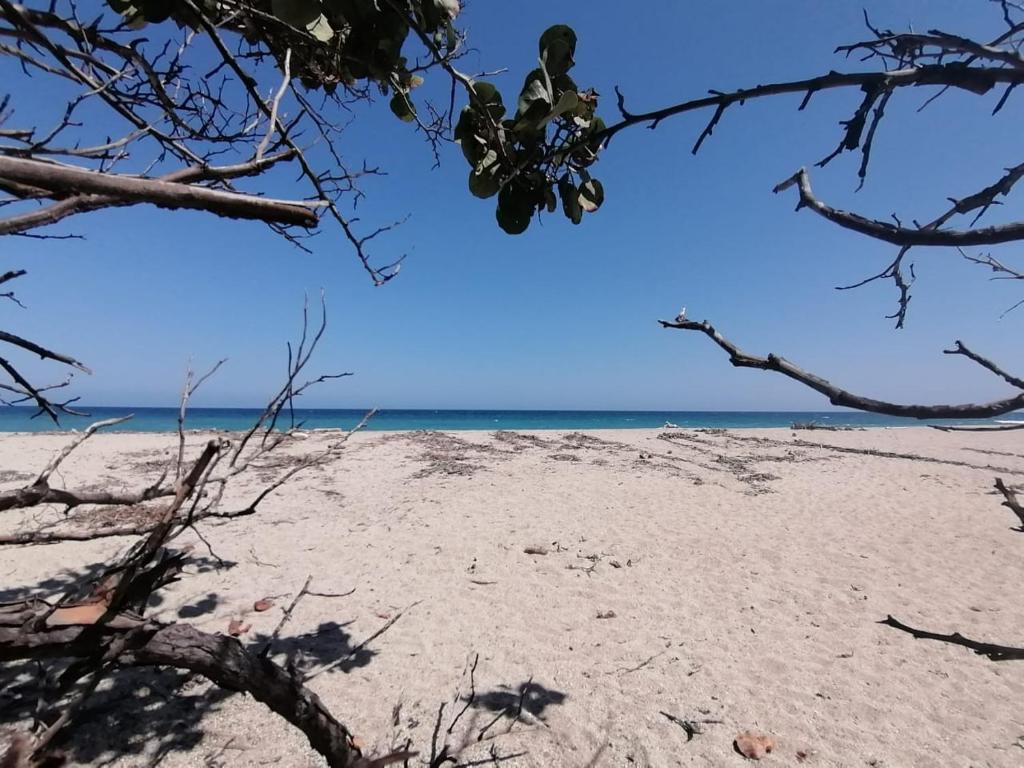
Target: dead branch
221,659
31,496
63,179
108,532
893,233
993,428
842,397
191,385
36,349
1010,501
977,80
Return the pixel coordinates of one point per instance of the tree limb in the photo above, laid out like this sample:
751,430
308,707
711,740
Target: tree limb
222,660
894,233
1010,501
137,189
841,397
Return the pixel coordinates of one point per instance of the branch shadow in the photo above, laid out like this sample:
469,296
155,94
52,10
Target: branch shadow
991,650
328,648
200,607
529,697
78,580
135,712
144,714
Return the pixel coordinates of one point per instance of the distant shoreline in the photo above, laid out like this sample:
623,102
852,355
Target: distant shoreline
164,420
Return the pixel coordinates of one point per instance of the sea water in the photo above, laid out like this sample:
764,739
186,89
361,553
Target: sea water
20,419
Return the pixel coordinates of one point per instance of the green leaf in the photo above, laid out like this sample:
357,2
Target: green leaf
563,83
466,126
488,97
483,184
570,200
567,103
156,11
473,149
515,209
402,107
297,13
557,48
550,201
534,99
591,195
486,93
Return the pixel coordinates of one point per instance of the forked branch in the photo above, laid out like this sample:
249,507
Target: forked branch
841,397
894,233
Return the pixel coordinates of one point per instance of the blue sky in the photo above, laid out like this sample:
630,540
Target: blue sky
564,316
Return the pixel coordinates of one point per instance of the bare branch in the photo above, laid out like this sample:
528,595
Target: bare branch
961,349
135,189
44,476
1010,501
895,234
841,397
221,659
43,352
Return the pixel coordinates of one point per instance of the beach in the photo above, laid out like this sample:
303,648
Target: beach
632,597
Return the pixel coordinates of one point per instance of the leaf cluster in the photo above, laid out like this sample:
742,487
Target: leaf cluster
539,155
333,42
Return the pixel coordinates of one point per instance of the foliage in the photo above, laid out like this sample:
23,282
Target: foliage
531,160
334,42
543,147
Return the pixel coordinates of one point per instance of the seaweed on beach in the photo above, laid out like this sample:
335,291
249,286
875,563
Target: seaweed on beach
519,441
13,476
447,454
578,440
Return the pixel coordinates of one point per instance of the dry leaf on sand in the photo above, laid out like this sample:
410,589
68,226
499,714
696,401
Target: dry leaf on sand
263,605
754,745
236,627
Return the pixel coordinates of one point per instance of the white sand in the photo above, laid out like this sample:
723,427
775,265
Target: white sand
746,571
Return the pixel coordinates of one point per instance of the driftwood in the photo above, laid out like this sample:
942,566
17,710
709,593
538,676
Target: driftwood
1010,501
27,633
100,625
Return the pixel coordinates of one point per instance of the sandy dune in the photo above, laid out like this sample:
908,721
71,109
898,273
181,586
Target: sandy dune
741,576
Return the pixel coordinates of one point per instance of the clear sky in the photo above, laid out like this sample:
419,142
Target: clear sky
564,316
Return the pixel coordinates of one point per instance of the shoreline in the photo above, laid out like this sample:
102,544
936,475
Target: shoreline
164,420
474,430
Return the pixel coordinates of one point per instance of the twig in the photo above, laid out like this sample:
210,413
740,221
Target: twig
1010,501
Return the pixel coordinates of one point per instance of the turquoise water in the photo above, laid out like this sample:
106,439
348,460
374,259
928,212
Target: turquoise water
165,419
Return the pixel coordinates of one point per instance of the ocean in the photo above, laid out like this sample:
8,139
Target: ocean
19,419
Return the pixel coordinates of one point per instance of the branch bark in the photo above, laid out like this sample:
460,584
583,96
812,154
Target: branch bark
130,190
893,233
841,397
1010,501
222,660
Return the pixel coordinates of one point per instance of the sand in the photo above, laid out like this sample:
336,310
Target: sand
732,576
